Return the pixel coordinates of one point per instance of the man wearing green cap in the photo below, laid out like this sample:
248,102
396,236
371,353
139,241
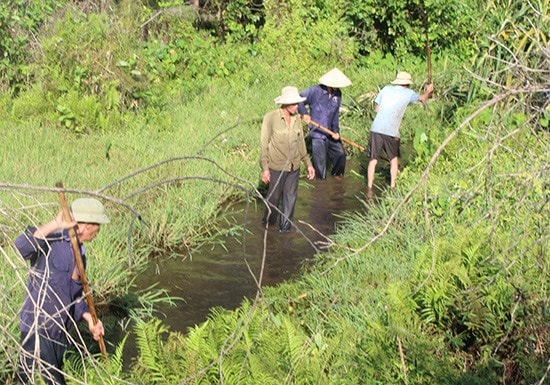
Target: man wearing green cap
54,300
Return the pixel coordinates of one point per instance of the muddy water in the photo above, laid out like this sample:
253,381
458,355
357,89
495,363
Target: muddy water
222,276
224,273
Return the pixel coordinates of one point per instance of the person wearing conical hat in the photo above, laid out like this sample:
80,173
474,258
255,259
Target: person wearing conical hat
391,103
322,107
54,299
282,149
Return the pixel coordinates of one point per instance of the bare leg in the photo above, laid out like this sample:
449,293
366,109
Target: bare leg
370,178
370,172
394,168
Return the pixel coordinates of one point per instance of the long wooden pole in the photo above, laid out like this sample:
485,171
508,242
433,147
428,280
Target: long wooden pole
330,132
80,265
428,52
428,48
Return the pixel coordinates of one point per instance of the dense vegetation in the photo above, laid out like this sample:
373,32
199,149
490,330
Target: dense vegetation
154,106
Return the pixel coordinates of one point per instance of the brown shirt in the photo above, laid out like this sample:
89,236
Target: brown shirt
282,147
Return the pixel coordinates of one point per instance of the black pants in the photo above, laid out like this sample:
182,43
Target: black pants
320,149
50,362
283,186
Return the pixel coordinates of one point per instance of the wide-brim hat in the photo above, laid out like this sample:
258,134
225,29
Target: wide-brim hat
403,79
335,79
89,210
289,95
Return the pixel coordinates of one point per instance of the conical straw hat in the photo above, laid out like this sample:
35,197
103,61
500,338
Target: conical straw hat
335,79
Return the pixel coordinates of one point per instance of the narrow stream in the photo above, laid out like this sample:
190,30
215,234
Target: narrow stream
221,274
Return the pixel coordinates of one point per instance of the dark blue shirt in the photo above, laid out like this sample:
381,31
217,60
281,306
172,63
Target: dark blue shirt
54,299
322,109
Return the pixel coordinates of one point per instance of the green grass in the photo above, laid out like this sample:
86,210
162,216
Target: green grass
442,274
444,280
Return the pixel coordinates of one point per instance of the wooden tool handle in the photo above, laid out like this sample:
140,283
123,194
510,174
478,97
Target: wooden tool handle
330,132
80,265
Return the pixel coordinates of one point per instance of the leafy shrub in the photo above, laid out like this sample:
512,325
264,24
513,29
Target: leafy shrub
237,21
305,36
19,24
402,27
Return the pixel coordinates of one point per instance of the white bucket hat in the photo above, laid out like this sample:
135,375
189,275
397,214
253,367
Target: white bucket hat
89,210
335,79
289,95
403,79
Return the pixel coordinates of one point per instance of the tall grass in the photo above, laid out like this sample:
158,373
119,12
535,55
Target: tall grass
164,186
443,281
406,286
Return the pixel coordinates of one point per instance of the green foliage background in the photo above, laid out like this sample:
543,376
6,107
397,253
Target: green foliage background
450,271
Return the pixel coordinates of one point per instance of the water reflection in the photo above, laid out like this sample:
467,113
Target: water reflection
223,275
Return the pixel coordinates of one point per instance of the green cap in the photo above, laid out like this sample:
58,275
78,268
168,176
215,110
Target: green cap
89,210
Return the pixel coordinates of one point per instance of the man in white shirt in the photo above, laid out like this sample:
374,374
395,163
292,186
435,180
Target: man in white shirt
391,103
